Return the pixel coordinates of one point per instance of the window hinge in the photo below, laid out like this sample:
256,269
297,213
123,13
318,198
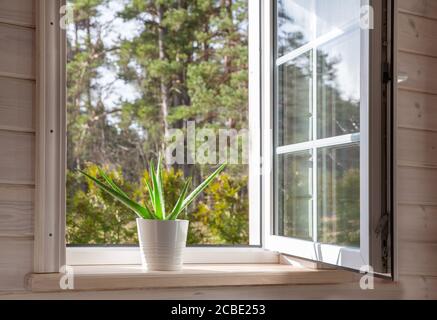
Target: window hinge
387,74
382,225
382,231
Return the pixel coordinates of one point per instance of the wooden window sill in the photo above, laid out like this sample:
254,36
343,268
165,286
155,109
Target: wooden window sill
102,278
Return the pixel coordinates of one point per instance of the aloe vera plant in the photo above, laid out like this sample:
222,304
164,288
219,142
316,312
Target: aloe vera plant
156,193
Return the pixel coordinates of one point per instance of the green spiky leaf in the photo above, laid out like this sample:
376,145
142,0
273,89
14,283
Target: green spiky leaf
177,208
141,211
200,188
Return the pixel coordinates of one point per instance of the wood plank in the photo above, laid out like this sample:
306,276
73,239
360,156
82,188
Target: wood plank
21,12
420,70
417,258
16,261
135,277
17,104
16,211
17,158
417,110
426,8
419,287
17,53
417,34
417,223
417,186
417,147
383,290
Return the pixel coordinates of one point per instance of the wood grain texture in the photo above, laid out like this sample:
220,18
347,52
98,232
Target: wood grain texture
417,110
17,158
17,104
417,223
17,53
425,8
16,211
417,258
383,290
16,258
417,147
21,12
417,35
419,287
134,277
417,186
420,70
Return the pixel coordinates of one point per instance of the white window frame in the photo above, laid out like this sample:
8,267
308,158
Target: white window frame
50,252
50,249
369,137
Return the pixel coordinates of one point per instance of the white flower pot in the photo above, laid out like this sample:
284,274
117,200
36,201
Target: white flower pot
162,243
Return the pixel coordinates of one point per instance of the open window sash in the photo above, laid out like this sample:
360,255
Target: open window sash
373,248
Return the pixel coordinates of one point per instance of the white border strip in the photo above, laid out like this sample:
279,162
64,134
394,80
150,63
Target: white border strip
254,123
202,255
322,143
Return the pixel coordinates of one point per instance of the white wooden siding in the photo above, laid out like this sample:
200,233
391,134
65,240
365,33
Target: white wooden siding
17,141
416,152
416,149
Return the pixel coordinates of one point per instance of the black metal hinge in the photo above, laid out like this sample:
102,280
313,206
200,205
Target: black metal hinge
387,73
382,231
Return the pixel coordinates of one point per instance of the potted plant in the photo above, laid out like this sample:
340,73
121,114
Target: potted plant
161,234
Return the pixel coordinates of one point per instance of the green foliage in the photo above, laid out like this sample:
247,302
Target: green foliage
225,211
186,59
155,187
95,217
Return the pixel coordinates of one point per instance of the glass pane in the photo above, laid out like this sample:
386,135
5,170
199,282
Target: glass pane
294,192
339,195
294,114
294,24
336,14
339,81
125,105
301,21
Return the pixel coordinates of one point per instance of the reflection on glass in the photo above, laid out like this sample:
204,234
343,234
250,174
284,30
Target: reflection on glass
338,198
301,21
294,24
336,14
294,101
294,192
338,81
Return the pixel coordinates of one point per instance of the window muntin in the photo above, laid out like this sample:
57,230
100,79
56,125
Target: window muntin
302,21
326,94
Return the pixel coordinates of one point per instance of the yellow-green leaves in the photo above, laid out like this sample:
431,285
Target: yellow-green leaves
156,193
141,211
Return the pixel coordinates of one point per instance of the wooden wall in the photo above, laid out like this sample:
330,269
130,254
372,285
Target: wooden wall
17,140
416,153
417,146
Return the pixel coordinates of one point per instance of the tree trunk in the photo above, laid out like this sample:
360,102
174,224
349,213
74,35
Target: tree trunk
165,92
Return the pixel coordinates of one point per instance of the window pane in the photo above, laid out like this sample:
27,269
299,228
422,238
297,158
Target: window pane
294,24
124,100
336,14
338,105
339,195
294,192
301,21
294,110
